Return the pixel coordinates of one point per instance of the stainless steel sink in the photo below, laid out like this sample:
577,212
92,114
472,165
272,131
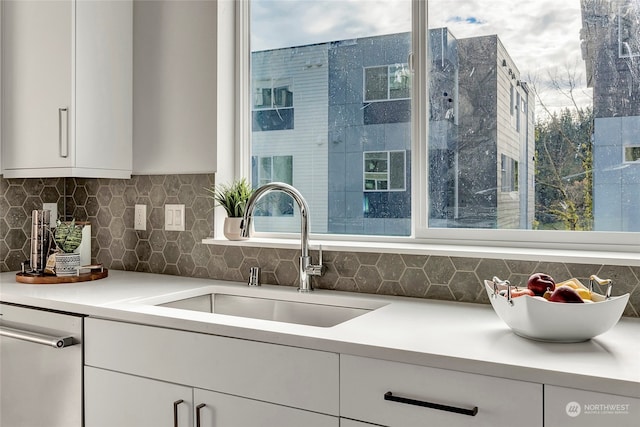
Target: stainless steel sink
279,310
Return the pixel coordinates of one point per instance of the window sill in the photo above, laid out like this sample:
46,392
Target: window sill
464,251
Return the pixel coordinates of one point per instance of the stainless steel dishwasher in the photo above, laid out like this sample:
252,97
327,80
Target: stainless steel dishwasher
40,368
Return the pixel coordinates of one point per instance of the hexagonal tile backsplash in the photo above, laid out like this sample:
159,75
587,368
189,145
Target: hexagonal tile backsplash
108,204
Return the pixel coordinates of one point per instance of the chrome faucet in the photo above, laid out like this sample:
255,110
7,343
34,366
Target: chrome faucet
307,269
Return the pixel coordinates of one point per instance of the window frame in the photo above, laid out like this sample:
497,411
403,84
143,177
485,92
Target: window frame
234,159
622,12
388,86
388,171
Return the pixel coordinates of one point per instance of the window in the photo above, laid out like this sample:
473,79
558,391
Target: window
384,171
632,153
272,94
629,31
357,153
272,105
387,83
509,174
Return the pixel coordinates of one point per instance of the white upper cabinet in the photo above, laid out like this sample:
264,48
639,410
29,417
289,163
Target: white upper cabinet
67,95
175,94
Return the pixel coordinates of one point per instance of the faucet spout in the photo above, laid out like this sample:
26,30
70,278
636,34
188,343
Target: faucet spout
307,269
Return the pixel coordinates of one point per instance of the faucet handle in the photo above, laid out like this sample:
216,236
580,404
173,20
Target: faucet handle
320,254
316,269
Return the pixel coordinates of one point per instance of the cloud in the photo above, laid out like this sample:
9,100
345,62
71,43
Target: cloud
467,20
541,36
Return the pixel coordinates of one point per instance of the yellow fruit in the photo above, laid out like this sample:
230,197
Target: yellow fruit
572,283
584,293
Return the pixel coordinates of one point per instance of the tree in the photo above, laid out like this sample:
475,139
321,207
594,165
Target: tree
564,160
564,178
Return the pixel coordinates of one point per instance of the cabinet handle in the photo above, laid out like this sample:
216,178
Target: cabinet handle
198,408
471,412
33,337
63,132
175,412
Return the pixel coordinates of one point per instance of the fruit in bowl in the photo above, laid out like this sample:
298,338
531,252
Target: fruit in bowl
565,294
540,283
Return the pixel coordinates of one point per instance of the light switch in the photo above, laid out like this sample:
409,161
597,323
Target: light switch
174,217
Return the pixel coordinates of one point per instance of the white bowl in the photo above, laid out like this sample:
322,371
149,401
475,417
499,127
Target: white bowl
542,320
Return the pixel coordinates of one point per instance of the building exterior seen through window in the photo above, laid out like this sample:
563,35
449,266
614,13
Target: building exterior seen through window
526,129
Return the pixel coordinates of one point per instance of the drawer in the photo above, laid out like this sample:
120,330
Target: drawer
365,385
291,376
567,407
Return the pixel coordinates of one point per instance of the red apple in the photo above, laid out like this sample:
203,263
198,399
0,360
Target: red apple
565,294
539,283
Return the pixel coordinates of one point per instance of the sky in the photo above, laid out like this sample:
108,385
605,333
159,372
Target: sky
541,36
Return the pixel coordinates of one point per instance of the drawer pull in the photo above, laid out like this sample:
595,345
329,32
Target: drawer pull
471,412
175,411
198,408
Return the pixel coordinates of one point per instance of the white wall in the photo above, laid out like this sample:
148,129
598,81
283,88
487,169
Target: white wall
174,86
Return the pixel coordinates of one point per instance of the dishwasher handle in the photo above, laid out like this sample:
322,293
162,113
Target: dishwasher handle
34,337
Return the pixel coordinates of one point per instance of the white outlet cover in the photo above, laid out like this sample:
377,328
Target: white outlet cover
140,218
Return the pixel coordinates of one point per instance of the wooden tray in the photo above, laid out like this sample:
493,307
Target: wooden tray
54,280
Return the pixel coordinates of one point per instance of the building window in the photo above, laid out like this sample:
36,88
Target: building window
508,174
384,170
387,82
271,93
632,154
629,31
273,169
272,105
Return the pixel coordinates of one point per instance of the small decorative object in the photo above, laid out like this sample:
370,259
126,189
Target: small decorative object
67,236
233,198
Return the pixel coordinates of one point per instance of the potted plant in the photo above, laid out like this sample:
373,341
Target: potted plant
67,236
233,198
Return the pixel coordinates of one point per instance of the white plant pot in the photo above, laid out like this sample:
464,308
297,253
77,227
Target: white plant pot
67,264
232,230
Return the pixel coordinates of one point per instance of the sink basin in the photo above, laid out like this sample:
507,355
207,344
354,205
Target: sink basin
278,310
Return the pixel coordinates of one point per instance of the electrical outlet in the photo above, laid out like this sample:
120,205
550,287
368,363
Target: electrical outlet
140,218
174,217
53,216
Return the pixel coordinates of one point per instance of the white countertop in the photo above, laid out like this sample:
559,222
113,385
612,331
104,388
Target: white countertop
450,335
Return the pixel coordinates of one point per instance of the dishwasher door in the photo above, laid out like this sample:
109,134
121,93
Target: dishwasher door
40,368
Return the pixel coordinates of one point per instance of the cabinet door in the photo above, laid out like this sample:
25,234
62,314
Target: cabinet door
36,74
115,399
296,377
567,407
402,395
223,410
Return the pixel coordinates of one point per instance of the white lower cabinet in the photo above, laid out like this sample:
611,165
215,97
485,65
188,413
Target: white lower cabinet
117,399
568,407
401,395
123,400
137,375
